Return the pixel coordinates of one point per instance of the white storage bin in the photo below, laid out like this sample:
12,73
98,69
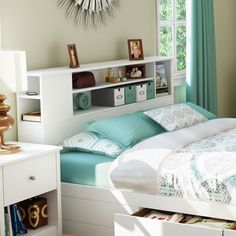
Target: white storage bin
141,92
138,225
110,97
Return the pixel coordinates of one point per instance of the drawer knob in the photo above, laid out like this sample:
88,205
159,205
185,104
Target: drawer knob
32,178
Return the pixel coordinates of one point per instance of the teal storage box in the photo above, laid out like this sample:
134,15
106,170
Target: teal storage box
130,94
150,90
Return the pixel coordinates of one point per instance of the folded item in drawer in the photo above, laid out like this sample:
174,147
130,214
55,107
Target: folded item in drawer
189,219
158,216
216,224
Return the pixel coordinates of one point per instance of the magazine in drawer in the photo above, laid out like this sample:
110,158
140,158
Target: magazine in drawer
138,225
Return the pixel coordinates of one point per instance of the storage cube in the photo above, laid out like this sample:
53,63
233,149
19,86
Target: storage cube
34,212
141,92
130,94
110,97
150,90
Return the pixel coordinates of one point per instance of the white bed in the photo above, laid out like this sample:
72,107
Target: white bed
90,210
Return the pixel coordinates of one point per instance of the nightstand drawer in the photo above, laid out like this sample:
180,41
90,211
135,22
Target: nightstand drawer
29,178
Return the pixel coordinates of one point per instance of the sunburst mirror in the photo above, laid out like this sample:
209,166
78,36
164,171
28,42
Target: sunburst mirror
90,12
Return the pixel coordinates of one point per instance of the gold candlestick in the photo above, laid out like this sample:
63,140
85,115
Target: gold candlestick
6,123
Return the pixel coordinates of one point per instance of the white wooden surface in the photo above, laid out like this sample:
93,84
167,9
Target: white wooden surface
93,211
102,85
229,232
74,228
96,201
138,226
42,162
95,66
43,169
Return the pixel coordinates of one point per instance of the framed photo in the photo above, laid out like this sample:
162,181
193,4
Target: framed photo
135,71
74,61
135,47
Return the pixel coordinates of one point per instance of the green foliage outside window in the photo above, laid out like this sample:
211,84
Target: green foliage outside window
166,9
166,31
181,9
166,40
181,47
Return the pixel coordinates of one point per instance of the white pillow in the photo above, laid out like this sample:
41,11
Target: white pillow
176,116
91,142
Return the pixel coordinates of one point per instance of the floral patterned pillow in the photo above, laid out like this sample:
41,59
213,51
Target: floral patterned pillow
176,116
92,142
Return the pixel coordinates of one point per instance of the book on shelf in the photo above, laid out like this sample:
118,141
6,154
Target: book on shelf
14,224
161,79
32,116
162,91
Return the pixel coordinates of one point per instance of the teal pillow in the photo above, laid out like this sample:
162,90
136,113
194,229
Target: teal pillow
202,111
127,129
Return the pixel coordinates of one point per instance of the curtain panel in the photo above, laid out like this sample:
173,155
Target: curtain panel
201,75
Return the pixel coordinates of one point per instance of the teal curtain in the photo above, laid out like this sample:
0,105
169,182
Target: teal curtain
201,79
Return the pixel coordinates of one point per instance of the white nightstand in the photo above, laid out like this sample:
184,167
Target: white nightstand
34,171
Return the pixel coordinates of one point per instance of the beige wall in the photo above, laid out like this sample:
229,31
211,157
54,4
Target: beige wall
226,50
42,30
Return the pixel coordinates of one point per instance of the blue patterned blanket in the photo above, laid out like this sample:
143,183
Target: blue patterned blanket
197,163
203,170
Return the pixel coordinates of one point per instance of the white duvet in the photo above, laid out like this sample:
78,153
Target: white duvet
142,167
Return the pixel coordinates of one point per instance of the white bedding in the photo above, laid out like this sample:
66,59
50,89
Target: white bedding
138,169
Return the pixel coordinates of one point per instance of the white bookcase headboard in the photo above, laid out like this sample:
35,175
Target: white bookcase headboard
55,99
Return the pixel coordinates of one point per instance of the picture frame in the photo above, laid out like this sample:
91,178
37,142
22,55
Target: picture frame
135,71
135,47
74,61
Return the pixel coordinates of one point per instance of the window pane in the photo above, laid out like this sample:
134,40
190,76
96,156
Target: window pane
165,10
181,47
180,9
166,40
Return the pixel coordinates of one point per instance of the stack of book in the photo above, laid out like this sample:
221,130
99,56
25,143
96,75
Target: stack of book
32,116
162,91
14,225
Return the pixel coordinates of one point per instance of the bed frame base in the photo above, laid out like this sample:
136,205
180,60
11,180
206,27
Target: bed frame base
90,210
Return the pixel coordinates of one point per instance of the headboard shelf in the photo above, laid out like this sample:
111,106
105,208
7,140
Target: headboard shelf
94,66
129,108
62,116
103,85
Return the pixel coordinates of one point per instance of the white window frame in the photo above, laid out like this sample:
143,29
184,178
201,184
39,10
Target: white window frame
174,23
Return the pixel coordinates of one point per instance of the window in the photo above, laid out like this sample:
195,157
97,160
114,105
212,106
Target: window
172,32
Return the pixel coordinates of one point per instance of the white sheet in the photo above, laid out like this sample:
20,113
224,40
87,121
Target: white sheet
102,174
137,168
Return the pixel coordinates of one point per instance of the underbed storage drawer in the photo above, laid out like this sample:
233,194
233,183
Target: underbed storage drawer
147,222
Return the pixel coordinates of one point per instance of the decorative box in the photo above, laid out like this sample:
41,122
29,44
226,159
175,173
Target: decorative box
150,90
130,94
34,212
141,92
110,97
83,79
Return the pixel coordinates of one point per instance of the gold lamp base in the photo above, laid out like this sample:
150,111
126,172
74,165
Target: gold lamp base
6,123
